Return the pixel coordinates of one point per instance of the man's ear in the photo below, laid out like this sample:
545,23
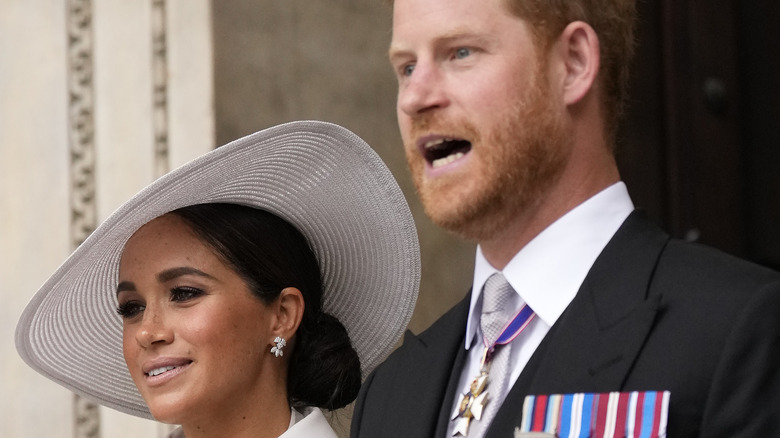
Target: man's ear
288,312
578,47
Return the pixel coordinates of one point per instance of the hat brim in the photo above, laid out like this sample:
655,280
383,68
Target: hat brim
320,177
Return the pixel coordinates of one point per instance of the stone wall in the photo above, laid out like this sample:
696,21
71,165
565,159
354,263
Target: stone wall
97,98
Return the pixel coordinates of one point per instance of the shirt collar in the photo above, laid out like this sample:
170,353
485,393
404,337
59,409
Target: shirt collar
548,271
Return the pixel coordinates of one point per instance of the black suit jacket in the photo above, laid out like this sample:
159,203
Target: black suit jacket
653,314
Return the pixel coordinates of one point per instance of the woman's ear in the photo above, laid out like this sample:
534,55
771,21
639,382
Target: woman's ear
288,312
579,50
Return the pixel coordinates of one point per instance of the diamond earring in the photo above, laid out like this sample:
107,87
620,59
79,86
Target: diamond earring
280,344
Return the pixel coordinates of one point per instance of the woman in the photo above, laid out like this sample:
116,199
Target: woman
254,286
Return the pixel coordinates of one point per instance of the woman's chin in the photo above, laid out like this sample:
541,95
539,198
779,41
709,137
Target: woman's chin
167,411
165,416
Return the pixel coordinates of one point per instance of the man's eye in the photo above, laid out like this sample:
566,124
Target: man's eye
180,294
130,309
462,52
408,69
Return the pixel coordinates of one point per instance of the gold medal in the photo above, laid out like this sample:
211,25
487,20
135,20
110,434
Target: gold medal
472,403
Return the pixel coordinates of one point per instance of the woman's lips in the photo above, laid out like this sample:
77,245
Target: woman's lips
161,371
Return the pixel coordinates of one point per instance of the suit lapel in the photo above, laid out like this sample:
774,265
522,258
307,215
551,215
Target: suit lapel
425,374
445,411
592,346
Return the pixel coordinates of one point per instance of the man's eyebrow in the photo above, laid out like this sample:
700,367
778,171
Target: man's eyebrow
448,38
462,33
395,52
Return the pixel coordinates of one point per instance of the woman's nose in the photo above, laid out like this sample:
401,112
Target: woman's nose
153,329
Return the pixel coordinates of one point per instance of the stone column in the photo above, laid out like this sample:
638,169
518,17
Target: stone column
97,98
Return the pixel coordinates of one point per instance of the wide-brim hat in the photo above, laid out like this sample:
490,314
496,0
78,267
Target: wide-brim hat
318,176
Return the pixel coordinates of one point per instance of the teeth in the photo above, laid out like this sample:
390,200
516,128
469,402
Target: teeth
433,143
160,370
447,160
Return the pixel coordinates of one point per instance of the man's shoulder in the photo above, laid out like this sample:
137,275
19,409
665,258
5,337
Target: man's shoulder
692,267
403,395
689,264
454,318
706,257
447,330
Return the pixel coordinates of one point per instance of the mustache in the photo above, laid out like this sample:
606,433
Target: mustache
423,123
433,123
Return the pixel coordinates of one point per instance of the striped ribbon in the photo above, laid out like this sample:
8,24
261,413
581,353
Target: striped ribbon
513,328
639,414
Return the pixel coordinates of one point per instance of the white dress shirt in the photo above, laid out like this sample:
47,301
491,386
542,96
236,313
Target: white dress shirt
546,273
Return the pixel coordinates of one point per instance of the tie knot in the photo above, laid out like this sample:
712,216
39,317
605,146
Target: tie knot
498,305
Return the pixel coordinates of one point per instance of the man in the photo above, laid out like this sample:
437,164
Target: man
508,111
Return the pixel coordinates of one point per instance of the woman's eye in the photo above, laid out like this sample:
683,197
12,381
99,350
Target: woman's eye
130,309
408,69
462,52
180,294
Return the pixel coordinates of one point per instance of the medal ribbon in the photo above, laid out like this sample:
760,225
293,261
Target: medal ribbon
512,328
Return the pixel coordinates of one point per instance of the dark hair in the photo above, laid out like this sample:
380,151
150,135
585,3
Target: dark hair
270,254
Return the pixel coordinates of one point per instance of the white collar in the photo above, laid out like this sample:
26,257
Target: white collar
310,423
548,271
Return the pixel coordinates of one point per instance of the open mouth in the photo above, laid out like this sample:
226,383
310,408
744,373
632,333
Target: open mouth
444,151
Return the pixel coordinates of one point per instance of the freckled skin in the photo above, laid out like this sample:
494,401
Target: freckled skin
224,330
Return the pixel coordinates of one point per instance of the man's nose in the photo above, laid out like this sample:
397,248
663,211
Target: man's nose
421,91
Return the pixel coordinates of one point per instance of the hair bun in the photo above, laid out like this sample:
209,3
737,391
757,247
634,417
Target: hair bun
324,369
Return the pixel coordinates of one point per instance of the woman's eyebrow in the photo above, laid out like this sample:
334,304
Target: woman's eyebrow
170,274
125,286
162,277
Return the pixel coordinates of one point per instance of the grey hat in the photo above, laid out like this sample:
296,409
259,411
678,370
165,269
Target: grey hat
318,176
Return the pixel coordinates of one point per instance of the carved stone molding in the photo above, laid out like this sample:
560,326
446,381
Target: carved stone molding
81,139
160,87
87,418
81,123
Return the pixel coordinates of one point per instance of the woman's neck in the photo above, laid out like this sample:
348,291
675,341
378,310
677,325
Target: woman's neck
269,422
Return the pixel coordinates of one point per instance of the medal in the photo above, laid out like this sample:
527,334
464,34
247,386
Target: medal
472,403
